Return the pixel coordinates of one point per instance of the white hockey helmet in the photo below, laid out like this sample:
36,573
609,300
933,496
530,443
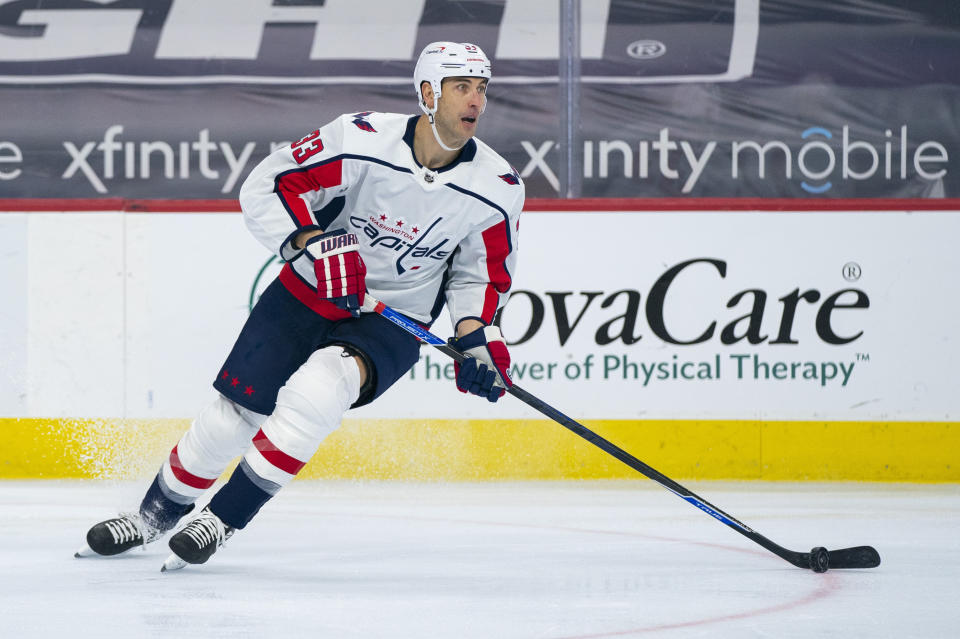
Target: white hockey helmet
441,60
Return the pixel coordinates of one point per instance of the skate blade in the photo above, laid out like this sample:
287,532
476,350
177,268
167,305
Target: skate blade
86,551
173,563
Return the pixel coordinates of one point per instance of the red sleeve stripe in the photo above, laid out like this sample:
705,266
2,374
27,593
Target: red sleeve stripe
292,184
275,456
497,246
491,301
185,476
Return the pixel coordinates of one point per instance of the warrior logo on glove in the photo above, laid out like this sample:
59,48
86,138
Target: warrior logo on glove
339,268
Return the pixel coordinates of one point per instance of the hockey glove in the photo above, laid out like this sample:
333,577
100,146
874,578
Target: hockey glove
485,371
340,269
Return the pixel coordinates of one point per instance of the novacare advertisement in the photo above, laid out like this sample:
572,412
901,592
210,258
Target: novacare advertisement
709,315
768,315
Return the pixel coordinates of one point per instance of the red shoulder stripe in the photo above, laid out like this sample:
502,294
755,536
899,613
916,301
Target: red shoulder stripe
293,184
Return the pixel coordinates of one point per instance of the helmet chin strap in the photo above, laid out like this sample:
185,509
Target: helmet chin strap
433,127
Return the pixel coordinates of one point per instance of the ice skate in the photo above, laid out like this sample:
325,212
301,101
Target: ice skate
129,530
118,535
197,541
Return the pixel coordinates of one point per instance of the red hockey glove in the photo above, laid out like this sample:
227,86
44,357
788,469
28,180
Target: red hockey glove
340,269
486,371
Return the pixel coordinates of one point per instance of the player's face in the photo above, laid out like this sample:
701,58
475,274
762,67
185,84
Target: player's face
459,108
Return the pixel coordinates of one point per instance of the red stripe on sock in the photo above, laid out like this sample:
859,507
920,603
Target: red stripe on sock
275,456
185,476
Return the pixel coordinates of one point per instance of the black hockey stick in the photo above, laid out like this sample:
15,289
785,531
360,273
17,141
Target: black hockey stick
818,560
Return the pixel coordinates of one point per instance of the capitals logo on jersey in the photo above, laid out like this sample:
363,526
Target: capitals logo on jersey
410,242
512,178
360,120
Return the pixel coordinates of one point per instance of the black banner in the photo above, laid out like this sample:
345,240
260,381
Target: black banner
741,98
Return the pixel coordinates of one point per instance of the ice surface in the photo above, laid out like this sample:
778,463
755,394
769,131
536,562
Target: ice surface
558,560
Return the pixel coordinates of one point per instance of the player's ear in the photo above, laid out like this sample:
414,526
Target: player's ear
426,90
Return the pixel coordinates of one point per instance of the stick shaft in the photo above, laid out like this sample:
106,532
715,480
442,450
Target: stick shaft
801,560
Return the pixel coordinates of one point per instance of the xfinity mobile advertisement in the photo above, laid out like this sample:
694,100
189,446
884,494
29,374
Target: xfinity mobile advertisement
729,98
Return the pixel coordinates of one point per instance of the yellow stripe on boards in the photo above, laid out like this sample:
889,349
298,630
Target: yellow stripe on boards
475,450
86,448
884,451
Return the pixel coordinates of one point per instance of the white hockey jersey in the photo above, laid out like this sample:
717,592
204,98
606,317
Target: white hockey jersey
424,234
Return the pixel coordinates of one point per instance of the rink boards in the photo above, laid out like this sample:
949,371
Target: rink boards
711,343
521,449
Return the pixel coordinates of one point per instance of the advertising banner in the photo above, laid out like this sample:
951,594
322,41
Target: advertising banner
724,316
631,315
730,98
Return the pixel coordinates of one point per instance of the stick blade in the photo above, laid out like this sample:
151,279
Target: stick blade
858,557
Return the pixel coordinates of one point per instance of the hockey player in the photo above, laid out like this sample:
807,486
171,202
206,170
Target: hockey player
413,209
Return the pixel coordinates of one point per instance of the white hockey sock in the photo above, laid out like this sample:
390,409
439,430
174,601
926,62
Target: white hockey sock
310,406
220,432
